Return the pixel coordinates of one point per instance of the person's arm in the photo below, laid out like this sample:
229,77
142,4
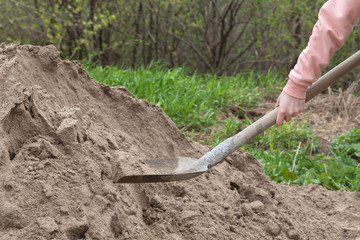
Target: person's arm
336,20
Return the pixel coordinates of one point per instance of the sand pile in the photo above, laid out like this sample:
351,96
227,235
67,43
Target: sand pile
65,138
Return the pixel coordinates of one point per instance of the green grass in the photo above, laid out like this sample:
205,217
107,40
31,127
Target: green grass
200,105
277,149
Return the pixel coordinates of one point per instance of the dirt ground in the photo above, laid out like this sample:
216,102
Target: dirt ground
332,114
65,138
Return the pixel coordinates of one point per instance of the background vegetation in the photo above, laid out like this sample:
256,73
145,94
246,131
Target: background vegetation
218,36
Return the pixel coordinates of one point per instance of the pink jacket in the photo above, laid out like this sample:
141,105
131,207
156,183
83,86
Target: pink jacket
336,20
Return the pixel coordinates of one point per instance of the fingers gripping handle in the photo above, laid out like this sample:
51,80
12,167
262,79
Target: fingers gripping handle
221,151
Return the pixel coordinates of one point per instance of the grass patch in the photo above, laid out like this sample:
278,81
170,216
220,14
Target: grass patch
291,153
202,107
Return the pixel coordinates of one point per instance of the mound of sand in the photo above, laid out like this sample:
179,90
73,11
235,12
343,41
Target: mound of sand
65,138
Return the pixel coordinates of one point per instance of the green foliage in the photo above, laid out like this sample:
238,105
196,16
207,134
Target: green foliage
70,25
221,37
279,148
348,146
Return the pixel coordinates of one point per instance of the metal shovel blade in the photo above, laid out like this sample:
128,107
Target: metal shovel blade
166,170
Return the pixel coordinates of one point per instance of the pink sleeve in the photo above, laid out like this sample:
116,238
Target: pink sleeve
336,20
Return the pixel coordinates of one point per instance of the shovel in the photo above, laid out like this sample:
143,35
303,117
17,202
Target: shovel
182,168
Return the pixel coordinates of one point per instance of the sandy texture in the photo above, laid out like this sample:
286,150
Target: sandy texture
65,138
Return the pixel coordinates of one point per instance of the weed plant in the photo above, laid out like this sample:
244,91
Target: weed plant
200,104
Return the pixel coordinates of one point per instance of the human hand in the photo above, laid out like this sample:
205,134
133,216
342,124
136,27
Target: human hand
289,107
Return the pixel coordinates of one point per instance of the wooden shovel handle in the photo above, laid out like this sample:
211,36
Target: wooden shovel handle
333,75
221,151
